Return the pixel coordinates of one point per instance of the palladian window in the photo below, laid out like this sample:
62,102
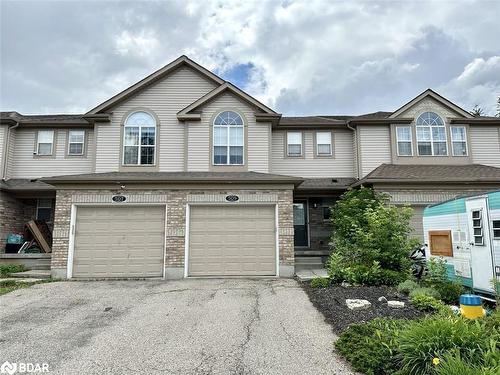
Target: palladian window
431,135
228,139
139,139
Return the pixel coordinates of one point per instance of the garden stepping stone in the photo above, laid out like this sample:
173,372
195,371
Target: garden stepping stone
396,304
358,304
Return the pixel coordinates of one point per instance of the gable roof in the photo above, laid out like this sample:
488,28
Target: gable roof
435,96
415,174
159,74
186,113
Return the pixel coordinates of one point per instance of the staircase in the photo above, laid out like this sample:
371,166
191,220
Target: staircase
308,263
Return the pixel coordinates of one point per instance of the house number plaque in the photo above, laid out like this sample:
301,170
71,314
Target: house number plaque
119,198
232,198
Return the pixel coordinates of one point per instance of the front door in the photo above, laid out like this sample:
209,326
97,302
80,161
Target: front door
300,224
479,239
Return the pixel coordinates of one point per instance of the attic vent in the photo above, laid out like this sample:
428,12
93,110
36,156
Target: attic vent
334,180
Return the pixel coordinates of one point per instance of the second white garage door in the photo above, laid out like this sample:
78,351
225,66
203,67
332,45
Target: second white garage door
119,241
232,241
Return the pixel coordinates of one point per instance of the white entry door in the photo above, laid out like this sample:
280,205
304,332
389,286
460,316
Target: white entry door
479,235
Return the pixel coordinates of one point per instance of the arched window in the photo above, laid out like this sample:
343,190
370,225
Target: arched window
431,135
139,139
228,139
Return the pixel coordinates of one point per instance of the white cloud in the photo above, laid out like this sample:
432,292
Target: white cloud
308,56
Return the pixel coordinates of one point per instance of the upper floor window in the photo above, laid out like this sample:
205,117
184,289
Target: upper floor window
324,143
45,142
228,139
294,143
431,135
76,141
459,141
139,139
403,138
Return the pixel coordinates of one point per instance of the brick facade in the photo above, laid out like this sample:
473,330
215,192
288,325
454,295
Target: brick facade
14,214
176,201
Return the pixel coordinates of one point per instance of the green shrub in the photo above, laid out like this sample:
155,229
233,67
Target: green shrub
371,347
454,365
320,282
335,266
450,291
7,269
407,286
425,291
430,338
371,275
368,229
436,271
424,302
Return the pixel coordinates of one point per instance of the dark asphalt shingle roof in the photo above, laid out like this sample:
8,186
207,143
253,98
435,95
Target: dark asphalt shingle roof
22,184
174,177
33,118
432,173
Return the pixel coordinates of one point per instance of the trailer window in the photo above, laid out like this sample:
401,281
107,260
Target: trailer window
496,229
477,227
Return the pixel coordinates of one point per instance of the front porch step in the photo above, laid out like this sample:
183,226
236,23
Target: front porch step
35,274
312,253
308,263
308,260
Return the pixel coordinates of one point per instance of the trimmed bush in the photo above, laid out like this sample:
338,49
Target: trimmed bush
7,269
431,338
320,282
407,286
370,347
450,291
426,303
425,291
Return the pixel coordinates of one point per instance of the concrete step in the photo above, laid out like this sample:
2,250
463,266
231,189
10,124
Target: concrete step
36,274
306,275
308,260
40,266
308,266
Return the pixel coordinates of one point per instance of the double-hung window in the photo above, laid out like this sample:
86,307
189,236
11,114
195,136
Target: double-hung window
294,144
404,140
44,209
139,139
228,139
459,140
76,142
431,135
45,142
324,143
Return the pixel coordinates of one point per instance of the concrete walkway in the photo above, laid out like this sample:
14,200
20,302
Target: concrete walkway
196,326
306,275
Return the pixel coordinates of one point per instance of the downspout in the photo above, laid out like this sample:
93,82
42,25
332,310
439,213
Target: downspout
356,142
5,159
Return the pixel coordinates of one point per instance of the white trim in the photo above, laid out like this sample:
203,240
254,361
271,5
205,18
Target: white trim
228,146
465,140
77,143
165,242
139,145
430,127
51,143
323,144
72,230
186,238
294,144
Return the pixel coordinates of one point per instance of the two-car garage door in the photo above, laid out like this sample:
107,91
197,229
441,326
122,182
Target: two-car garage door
128,241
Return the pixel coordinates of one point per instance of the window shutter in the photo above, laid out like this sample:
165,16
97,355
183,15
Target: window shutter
440,243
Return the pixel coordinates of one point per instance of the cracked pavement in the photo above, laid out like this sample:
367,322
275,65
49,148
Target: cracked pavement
193,326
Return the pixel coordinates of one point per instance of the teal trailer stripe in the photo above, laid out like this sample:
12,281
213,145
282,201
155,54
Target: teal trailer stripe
452,207
450,274
494,200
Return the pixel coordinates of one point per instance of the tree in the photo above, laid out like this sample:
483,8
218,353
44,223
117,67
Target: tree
477,111
498,107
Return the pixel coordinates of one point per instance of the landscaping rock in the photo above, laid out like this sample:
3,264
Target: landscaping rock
345,284
396,304
358,304
382,299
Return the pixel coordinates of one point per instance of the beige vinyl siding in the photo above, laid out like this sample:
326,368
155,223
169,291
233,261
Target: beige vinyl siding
165,98
257,134
485,145
341,165
3,139
374,146
26,165
11,152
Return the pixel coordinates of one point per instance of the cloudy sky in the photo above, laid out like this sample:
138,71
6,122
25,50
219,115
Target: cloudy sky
299,57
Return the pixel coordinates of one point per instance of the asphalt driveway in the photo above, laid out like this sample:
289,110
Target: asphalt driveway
194,326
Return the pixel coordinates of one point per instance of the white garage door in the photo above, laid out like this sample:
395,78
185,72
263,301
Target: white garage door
232,241
119,241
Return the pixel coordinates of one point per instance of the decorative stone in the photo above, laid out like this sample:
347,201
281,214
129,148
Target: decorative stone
358,304
396,304
382,299
345,284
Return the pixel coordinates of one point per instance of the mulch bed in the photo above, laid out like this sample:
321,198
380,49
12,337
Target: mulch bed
331,302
